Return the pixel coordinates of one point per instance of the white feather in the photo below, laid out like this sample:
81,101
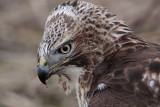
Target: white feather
101,86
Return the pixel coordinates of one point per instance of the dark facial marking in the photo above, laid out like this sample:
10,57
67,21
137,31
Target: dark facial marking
80,61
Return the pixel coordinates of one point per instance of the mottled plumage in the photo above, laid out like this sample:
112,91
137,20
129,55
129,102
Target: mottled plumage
98,55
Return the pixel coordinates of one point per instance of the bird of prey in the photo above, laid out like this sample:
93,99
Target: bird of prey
99,57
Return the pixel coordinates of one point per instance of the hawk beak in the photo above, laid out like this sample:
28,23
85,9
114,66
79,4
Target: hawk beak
43,74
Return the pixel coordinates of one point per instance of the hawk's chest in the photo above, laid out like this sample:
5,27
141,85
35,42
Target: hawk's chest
72,77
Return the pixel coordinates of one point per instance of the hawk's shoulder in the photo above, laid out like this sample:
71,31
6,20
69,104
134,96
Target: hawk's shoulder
132,75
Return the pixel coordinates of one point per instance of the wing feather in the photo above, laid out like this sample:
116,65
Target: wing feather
141,80
135,77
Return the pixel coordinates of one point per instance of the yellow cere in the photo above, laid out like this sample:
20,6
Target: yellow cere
43,62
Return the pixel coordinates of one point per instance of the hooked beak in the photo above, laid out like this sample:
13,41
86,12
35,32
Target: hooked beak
43,74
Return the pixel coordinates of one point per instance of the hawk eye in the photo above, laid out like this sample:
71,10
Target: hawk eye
65,49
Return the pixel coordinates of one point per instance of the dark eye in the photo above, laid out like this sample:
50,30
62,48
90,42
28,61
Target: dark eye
65,49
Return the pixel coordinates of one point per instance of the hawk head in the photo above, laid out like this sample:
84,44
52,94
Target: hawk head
77,37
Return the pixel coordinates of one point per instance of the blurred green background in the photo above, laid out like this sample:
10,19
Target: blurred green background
21,28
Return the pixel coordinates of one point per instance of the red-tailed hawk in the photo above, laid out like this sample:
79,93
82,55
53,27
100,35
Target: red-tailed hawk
98,55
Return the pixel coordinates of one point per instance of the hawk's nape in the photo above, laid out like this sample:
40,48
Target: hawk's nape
98,55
